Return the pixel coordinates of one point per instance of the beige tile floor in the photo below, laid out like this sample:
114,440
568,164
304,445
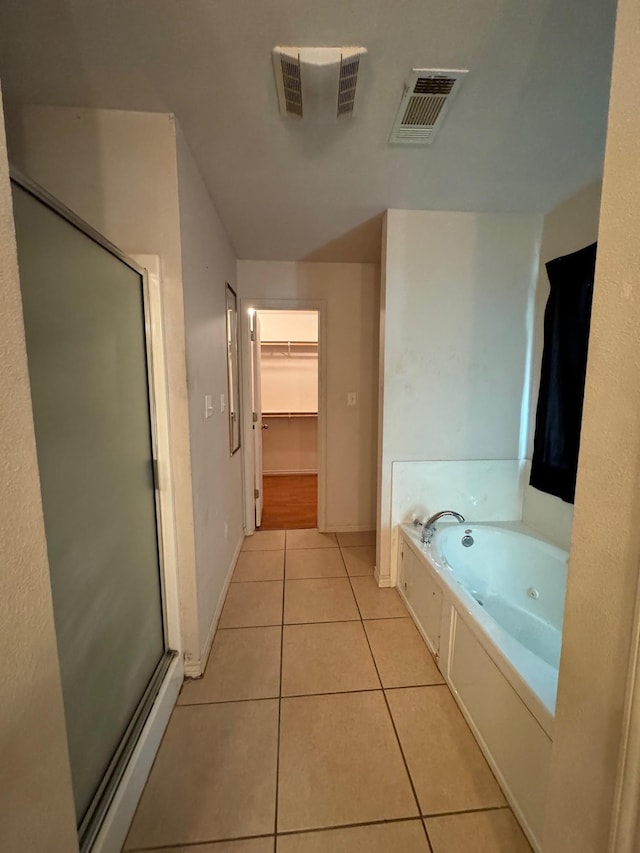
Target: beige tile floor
321,724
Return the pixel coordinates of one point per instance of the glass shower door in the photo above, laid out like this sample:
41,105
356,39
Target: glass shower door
84,312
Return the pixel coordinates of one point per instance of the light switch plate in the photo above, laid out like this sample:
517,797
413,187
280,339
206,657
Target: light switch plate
352,398
208,406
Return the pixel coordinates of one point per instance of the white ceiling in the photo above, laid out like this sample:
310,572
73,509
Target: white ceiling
526,131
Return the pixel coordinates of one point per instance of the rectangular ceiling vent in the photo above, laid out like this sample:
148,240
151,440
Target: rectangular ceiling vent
425,102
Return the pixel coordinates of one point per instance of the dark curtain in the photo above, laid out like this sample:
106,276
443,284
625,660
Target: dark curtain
564,364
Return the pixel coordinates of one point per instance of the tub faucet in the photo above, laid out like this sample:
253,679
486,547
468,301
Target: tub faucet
428,528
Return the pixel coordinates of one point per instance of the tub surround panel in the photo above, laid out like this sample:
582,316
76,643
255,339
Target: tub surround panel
479,489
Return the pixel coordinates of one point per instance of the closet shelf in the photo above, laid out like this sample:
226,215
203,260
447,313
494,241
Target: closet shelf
289,414
288,348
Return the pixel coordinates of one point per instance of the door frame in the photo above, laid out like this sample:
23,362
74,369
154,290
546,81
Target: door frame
246,305
108,829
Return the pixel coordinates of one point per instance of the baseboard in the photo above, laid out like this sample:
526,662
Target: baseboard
290,473
115,826
195,668
381,580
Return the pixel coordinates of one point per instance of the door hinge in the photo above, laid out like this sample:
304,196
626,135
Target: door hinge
256,493
155,473
255,417
253,335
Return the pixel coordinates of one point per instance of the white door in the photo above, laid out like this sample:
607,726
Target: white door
257,417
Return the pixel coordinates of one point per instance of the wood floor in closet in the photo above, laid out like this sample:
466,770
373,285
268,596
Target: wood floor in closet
290,502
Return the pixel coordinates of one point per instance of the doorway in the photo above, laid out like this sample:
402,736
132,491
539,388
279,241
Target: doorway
285,349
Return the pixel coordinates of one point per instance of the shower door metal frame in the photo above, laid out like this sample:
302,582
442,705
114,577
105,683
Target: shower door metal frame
91,822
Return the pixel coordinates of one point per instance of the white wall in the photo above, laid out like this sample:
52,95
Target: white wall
208,261
290,445
350,293
605,550
289,325
36,798
457,292
288,371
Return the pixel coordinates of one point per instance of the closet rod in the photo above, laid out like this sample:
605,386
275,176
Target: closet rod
289,354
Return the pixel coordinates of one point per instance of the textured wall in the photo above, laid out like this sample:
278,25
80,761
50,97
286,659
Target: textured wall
208,261
36,800
603,567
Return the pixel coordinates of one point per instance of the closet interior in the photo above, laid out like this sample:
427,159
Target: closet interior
289,390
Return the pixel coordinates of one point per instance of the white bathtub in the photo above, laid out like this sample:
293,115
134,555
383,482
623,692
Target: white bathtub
518,582
491,611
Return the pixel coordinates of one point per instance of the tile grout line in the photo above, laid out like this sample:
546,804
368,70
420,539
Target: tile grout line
433,815
195,844
317,829
395,730
275,815
308,831
309,695
284,574
321,622
289,695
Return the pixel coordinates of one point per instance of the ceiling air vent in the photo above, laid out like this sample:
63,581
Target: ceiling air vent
424,104
291,85
347,84
317,83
